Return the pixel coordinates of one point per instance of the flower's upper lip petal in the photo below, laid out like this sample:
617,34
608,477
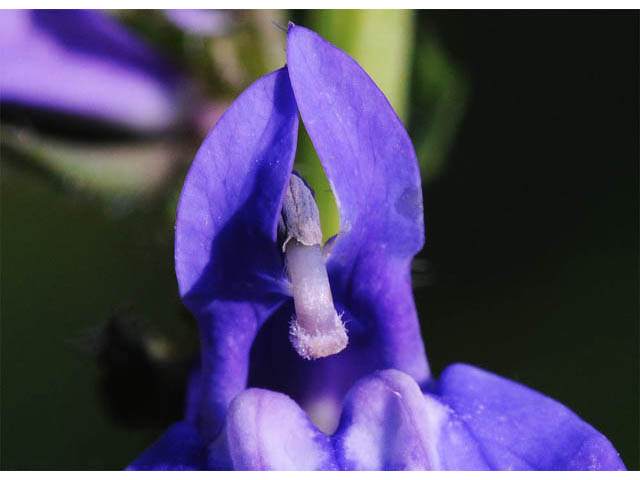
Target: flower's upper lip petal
372,168
231,199
267,430
225,244
365,150
519,428
83,63
179,448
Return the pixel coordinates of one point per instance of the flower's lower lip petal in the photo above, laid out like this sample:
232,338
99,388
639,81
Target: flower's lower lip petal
179,448
83,63
225,244
384,425
387,424
518,428
267,430
372,168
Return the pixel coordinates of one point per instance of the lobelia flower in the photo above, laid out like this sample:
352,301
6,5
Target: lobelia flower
373,404
83,63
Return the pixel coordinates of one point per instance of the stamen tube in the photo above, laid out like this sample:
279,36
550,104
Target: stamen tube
316,330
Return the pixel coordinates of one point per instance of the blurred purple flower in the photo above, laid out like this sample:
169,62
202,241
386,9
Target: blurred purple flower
83,63
200,22
389,412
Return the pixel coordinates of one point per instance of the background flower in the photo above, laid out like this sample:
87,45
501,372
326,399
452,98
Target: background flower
83,63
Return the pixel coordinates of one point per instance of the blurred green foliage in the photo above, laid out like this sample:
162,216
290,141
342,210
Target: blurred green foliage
67,266
120,173
440,93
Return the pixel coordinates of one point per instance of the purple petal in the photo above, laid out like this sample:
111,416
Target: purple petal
83,63
456,447
387,424
227,261
179,448
520,429
267,430
372,167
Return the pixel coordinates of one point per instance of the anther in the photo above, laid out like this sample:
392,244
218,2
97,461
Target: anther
316,330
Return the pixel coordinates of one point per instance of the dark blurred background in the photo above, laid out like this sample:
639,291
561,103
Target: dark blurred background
530,268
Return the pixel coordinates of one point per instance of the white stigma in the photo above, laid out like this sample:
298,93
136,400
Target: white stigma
316,329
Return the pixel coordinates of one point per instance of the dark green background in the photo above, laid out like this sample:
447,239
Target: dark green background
530,267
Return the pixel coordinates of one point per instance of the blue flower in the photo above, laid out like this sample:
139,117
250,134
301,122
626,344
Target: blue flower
373,404
82,63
